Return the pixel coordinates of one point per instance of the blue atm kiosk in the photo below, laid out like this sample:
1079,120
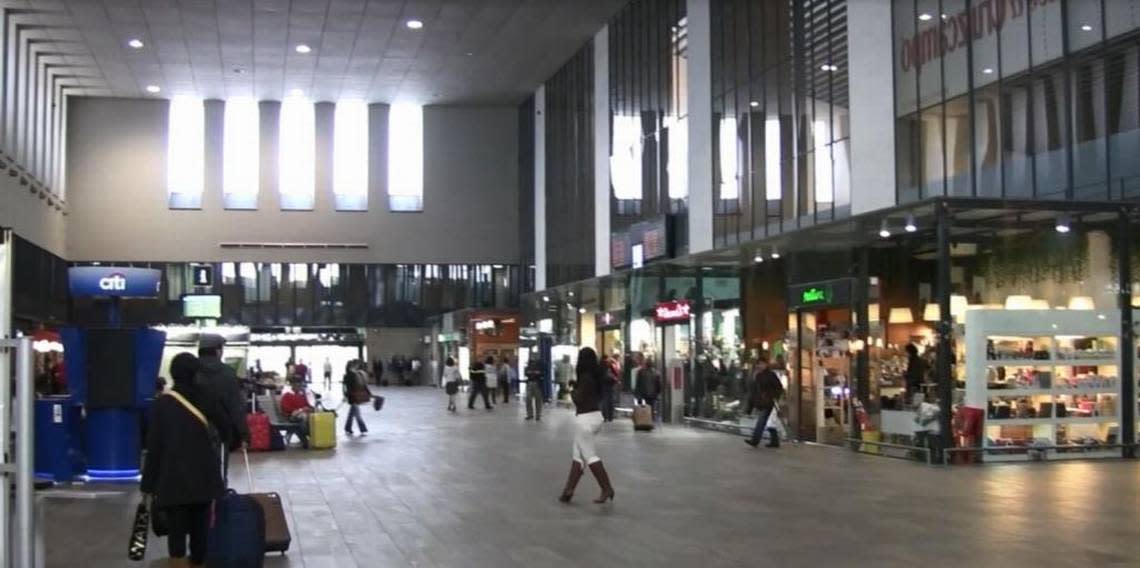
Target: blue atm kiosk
111,373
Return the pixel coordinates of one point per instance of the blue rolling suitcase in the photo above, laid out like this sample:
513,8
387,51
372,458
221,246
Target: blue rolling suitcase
237,532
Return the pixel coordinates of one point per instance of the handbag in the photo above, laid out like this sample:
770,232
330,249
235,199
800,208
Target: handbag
136,546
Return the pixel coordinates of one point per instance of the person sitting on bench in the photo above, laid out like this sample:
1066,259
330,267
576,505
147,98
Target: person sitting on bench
296,408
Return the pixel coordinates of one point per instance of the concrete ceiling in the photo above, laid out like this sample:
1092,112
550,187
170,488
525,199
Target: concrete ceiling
469,51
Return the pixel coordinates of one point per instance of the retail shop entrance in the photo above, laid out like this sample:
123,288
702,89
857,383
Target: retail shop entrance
820,341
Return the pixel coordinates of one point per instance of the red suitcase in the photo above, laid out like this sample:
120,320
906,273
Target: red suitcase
258,431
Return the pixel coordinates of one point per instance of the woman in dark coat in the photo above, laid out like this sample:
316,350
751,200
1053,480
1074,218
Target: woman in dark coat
183,473
587,396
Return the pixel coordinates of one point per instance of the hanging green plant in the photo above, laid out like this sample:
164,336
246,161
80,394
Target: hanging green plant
1034,258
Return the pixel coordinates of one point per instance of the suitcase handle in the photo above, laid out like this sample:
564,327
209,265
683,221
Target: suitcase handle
248,471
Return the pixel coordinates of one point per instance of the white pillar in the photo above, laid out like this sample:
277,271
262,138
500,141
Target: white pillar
699,95
872,108
540,188
602,152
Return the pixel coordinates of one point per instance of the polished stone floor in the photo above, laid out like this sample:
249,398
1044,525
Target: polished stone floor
426,488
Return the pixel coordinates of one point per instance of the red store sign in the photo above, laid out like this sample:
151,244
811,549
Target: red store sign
676,311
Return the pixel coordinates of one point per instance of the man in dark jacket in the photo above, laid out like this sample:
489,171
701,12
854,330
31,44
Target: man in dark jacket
181,472
763,394
219,382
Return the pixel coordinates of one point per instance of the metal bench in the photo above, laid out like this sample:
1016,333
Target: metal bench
268,404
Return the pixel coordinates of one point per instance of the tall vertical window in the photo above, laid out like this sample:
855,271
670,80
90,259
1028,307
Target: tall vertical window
297,154
625,162
350,156
406,158
185,152
240,154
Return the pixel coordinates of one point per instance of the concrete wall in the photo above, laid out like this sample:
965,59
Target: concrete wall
118,199
31,216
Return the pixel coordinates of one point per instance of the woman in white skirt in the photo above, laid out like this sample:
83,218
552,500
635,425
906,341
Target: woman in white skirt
587,396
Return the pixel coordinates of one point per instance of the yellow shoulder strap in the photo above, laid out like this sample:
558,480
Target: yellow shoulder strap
186,404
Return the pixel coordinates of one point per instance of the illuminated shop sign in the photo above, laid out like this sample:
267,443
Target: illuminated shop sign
676,311
826,293
815,295
113,281
485,325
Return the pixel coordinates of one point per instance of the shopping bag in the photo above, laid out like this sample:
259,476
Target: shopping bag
774,422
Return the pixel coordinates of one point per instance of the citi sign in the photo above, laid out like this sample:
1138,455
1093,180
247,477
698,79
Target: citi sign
113,283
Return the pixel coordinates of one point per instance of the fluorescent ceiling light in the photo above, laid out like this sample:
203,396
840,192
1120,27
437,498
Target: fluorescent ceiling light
303,48
414,24
135,43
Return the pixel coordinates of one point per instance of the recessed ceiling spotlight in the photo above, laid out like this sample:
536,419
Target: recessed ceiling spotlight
153,88
988,71
135,43
414,24
945,17
296,93
884,229
828,67
910,226
302,48
546,298
758,258
1086,28
925,17
581,310
754,104
775,255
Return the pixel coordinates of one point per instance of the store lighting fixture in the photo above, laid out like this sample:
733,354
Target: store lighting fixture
900,315
925,17
302,48
1086,28
988,71
571,294
582,310
884,229
754,104
775,254
758,258
136,43
910,226
1081,303
1063,225
414,24
546,298
828,67
153,88
1018,302
930,312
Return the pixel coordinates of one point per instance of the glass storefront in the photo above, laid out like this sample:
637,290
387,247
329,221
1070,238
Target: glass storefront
1017,98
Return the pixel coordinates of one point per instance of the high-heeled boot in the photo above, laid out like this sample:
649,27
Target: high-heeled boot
571,481
603,478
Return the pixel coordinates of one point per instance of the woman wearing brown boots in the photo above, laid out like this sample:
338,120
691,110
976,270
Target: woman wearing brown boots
587,396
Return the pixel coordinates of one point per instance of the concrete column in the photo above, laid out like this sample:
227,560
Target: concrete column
602,152
872,106
540,188
699,91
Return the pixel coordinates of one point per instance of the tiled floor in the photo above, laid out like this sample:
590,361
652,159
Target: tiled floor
475,489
